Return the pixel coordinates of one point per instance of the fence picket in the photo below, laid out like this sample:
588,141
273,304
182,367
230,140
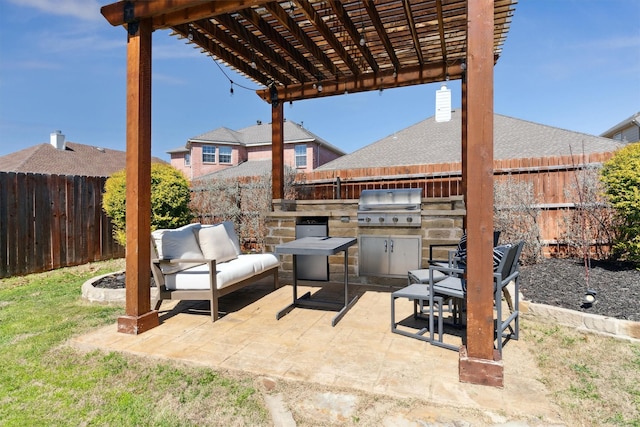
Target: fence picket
52,221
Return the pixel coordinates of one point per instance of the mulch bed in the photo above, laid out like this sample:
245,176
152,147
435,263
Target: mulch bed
562,283
556,282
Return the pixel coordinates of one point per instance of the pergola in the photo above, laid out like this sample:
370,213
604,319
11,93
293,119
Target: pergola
301,49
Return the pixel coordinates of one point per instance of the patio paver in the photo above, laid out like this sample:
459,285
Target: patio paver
359,353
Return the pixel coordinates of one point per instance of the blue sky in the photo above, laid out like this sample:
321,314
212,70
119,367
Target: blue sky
573,64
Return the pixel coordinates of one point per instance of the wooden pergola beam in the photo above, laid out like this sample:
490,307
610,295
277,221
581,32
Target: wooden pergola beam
169,13
408,76
479,362
138,315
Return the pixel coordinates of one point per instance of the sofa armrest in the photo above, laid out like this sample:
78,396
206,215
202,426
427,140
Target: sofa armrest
182,260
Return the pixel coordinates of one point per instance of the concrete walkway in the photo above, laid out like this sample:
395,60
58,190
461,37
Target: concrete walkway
360,353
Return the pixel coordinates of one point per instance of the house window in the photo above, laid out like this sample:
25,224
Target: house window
187,159
208,154
301,156
224,155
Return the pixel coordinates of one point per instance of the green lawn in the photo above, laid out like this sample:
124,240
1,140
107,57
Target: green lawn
44,382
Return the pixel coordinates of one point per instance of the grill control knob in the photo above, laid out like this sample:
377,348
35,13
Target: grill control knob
395,219
368,219
381,219
409,219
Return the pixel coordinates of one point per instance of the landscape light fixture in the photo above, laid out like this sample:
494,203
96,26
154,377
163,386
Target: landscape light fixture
589,298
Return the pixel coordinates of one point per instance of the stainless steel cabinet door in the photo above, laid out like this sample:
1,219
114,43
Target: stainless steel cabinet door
373,259
404,255
388,256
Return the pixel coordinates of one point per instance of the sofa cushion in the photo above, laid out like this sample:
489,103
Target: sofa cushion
227,273
175,244
216,244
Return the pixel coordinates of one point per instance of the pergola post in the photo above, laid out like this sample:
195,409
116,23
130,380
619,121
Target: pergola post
277,150
479,362
138,315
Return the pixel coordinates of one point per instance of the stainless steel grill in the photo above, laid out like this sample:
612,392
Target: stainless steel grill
390,208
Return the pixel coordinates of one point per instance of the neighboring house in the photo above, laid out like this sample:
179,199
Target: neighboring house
60,157
431,142
223,148
627,131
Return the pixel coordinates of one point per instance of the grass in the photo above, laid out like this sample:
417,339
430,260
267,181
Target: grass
593,379
44,382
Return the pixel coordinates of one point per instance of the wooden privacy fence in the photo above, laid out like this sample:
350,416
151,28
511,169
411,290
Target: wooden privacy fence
549,176
52,221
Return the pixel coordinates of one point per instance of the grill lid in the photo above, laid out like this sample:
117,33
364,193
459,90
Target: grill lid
390,199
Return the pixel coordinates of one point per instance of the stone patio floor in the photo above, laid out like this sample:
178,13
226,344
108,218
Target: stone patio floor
359,353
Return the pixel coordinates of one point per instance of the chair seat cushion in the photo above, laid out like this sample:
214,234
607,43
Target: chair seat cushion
422,275
413,291
228,273
451,286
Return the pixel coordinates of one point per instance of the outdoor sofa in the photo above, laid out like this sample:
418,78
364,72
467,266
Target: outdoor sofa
183,259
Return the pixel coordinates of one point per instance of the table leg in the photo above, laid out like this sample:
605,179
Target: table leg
347,304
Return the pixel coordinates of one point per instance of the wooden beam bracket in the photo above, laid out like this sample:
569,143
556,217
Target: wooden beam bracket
129,15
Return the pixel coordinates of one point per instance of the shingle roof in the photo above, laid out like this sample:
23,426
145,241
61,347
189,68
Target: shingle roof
634,119
429,142
246,169
76,159
260,134
219,135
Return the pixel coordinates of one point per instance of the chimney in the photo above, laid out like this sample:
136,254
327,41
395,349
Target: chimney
57,140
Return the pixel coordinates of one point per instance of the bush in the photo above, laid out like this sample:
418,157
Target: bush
245,202
516,215
621,176
170,197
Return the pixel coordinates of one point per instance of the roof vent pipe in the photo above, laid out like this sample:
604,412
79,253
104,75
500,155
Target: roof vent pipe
57,140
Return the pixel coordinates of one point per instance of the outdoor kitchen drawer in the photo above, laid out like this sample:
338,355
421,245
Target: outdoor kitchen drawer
388,256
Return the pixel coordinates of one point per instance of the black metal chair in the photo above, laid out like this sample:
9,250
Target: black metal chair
454,287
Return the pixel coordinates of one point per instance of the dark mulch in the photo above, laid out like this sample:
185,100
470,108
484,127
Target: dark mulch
557,282
562,283
115,281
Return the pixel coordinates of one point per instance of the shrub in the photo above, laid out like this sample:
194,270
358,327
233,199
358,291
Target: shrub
246,202
621,176
516,214
588,228
170,198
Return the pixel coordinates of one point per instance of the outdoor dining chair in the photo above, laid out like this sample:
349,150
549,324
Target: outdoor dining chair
454,287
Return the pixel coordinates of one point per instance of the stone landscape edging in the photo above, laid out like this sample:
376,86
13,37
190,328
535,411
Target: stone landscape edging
103,295
587,322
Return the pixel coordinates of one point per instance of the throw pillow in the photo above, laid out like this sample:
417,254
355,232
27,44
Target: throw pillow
461,250
176,244
215,243
233,237
498,254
